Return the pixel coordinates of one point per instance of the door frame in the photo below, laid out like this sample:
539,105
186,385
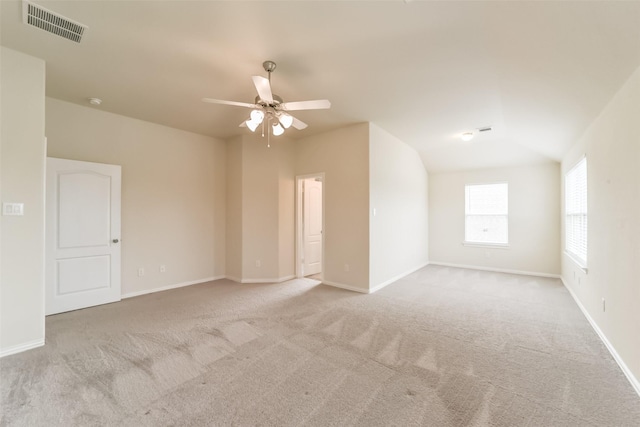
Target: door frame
299,223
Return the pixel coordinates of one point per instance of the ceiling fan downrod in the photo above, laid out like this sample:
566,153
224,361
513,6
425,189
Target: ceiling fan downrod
269,67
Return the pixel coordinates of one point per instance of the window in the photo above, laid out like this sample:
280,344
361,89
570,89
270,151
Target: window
575,207
487,214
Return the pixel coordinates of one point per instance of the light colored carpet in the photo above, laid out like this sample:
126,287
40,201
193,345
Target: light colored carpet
441,347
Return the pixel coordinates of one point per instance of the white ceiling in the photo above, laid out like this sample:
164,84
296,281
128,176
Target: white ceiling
539,72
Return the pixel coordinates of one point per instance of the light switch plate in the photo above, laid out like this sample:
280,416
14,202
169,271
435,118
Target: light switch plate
16,209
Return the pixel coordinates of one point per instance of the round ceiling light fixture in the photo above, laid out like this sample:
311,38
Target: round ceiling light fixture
467,136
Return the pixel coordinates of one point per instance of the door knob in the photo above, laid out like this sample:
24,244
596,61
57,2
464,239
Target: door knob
115,240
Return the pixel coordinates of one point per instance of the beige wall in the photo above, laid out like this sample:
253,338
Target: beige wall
399,194
534,227
343,155
612,147
265,172
286,207
260,206
234,209
173,191
22,155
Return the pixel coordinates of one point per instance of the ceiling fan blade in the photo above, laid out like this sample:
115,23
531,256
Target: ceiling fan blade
264,88
234,103
298,124
317,104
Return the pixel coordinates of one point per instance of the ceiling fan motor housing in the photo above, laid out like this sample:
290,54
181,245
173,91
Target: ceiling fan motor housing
276,101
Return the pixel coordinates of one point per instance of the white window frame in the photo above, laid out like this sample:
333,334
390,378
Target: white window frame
576,212
467,214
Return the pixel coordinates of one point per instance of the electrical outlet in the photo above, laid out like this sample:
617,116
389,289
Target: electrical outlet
258,263
140,272
346,267
163,268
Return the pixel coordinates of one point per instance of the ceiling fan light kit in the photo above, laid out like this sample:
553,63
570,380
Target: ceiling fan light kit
269,109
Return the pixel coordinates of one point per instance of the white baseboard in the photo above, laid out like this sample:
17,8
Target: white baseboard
396,278
377,287
166,288
21,347
267,280
497,270
347,287
627,372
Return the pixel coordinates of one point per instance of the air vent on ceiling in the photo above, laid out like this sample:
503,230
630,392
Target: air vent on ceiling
485,129
52,22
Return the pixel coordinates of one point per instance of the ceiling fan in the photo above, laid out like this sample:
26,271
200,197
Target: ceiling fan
269,109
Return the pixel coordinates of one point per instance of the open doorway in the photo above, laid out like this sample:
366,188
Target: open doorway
310,226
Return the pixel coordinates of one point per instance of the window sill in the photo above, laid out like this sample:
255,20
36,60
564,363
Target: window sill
577,262
486,245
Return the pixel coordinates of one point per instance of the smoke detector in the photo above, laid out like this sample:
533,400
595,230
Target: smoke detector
51,22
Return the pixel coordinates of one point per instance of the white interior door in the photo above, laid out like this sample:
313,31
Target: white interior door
312,225
82,235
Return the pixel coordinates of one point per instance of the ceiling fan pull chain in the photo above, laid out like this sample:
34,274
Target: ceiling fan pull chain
269,133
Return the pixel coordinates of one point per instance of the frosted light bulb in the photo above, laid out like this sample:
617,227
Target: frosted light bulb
286,120
257,116
252,125
277,129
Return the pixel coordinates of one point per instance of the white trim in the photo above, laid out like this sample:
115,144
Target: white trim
466,242
347,287
575,165
576,261
168,287
627,372
269,280
21,347
43,300
299,232
575,257
396,278
497,270
486,245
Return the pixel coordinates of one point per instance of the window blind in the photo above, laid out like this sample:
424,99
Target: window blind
487,213
576,212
